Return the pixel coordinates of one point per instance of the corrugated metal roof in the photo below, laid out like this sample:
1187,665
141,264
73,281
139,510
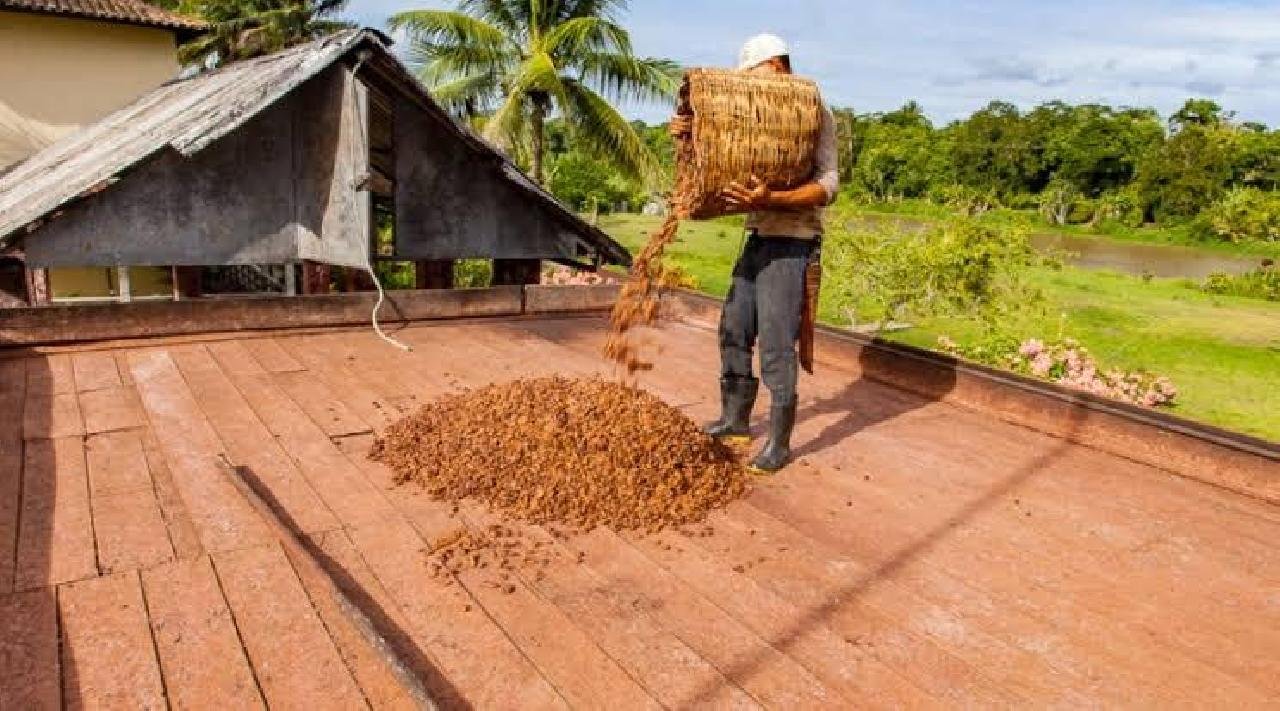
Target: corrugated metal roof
133,12
189,114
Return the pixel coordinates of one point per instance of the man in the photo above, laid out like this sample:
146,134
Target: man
767,292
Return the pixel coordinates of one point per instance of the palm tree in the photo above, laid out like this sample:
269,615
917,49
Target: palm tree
514,62
250,28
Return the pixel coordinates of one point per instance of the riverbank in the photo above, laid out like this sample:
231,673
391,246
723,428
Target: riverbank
1222,352
1177,236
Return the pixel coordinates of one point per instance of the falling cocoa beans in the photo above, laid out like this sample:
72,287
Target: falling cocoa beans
639,299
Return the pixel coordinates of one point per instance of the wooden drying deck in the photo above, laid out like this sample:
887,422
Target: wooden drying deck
919,554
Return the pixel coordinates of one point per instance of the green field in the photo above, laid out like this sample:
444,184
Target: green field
1179,235
1222,352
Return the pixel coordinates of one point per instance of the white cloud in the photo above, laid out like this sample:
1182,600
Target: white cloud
956,56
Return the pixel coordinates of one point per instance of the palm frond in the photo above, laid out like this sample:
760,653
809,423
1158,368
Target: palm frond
586,35
479,92
502,13
445,27
607,9
508,127
604,131
623,77
437,63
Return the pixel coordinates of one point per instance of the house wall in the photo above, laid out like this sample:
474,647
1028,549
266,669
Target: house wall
58,74
281,188
452,204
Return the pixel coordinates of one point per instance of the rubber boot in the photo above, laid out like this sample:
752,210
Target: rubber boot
737,397
777,450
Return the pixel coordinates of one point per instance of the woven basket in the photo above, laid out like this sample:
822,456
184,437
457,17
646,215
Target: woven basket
743,125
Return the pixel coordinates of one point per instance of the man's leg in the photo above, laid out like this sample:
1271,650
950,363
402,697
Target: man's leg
738,387
779,299
738,317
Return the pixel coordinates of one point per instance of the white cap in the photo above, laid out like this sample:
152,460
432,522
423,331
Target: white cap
760,49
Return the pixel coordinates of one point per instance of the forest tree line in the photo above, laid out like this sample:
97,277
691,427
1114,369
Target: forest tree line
1073,164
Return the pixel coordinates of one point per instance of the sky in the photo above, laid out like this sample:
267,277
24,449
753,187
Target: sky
954,57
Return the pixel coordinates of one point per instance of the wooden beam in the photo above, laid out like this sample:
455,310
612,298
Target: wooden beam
433,274
38,293
316,277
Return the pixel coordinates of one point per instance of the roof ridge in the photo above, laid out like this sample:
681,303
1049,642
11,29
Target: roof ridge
134,12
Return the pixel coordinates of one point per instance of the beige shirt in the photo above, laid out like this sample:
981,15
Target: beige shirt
806,224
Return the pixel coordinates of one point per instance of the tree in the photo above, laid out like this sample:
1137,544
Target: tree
994,150
249,28
1198,112
521,60
1186,173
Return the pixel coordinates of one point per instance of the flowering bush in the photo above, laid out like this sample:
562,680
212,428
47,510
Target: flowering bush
564,276
1069,364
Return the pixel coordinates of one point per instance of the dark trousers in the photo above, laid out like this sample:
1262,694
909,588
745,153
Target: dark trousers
764,304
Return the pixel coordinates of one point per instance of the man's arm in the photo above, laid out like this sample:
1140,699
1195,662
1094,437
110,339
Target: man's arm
753,194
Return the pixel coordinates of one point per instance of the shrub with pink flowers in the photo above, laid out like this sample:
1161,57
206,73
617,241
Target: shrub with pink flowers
1069,364
564,276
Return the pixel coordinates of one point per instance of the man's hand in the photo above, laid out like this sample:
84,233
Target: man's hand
681,125
749,196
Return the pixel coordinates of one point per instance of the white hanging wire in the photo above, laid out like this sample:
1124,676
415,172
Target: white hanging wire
368,258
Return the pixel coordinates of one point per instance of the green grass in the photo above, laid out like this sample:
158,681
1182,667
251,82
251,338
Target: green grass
1173,236
1222,352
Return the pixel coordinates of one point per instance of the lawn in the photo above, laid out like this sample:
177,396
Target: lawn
1222,352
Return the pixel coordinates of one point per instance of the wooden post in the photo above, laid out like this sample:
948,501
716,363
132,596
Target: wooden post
38,293
516,272
433,274
124,287
186,282
315,277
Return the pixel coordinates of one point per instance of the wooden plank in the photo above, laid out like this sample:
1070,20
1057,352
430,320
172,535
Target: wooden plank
130,531
220,515
116,463
50,375
55,543
110,410
293,657
320,403
95,370
199,648
51,416
839,660
30,671
370,405
271,356
337,554
183,535
248,442
342,489
13,386
673,673
108,657
474,654
1001,562
771,677
1017,648
837,592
